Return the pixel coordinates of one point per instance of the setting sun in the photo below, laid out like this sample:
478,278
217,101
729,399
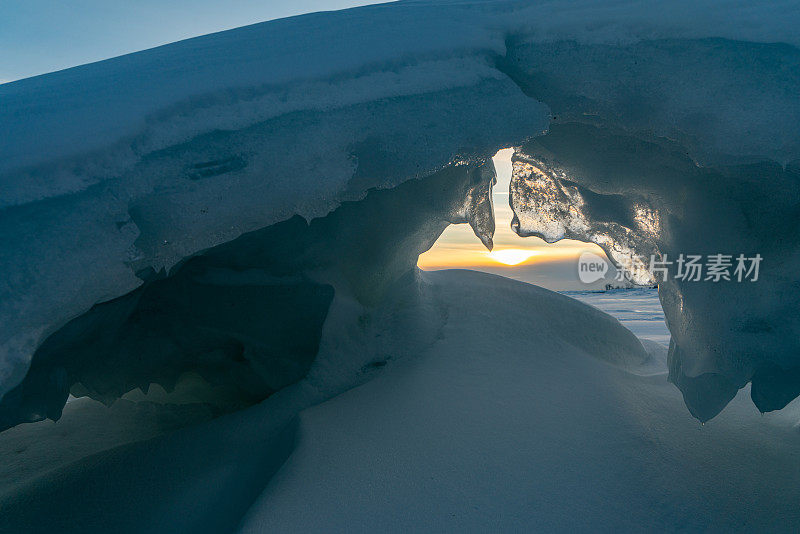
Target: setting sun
511,256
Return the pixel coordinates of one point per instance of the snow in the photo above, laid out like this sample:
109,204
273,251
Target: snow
483,426
246,317
489,430
470,422
301,166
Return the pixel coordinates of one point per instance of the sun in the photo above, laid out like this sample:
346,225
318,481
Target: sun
512,256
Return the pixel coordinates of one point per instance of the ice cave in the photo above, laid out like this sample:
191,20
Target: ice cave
215,314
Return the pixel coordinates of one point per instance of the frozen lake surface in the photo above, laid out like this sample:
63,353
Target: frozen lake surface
639,310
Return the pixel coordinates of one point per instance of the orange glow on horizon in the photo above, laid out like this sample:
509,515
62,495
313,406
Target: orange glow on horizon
459,255
458,247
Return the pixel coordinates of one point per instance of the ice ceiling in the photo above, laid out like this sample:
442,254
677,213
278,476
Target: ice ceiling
198,206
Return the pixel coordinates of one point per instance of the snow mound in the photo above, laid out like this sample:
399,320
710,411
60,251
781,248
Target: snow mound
496,405
492,430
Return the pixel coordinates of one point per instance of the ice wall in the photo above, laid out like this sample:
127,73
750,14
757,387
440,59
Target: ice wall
724,333
66,253
655,162
673,128
247,315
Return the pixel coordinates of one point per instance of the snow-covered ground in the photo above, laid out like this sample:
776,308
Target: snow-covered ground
520,409
490,431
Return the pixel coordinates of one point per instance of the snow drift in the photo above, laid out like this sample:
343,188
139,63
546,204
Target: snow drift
540,435
135,192
485,404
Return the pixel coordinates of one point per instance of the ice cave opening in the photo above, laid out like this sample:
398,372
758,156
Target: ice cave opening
555,266
529,259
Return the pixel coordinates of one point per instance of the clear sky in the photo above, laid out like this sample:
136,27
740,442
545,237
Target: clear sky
39,36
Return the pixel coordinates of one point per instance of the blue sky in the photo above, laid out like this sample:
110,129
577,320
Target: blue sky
38,36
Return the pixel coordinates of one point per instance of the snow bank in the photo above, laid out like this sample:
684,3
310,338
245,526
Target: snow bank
488,403
637,309
213,472
115,171
483,425
503,428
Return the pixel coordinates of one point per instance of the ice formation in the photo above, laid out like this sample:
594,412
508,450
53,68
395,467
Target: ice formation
642,198
231,224
137,192
247,315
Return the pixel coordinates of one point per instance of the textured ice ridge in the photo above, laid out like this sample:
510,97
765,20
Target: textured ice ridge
246,317
643,199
